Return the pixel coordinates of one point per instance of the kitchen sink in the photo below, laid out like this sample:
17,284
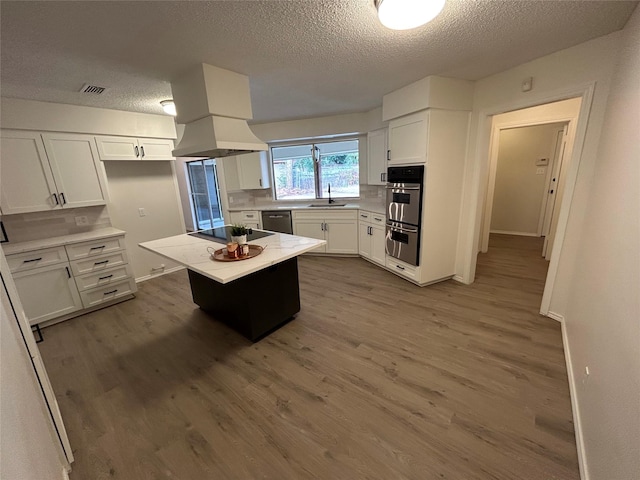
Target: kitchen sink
325,205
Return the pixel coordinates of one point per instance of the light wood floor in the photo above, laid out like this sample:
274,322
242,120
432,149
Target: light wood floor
375,379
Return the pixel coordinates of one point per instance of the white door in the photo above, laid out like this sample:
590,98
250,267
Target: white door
341,236
26,180
75,166
552,189
155,149
364,240
378,244
311,229
377,157
47,292
118,148
408,137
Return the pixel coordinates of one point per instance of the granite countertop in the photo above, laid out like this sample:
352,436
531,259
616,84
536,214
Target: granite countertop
191,252
377,206
21,247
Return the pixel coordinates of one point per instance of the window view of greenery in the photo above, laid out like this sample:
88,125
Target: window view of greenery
306,171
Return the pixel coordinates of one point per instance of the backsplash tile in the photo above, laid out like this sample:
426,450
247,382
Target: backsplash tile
25,227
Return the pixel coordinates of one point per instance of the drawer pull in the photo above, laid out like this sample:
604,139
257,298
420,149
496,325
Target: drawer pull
97,248
377,219
32,260
102,262
364,216
249,216
109,293
398,266
105,277
68,272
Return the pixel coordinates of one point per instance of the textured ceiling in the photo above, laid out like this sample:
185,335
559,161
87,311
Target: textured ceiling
304,57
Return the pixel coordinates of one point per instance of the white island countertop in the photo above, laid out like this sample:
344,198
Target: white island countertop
191,251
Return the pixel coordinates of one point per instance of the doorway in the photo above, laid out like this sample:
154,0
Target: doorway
205,194
528,169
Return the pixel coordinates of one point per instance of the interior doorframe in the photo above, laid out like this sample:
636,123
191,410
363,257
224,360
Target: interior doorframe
494,150
480,172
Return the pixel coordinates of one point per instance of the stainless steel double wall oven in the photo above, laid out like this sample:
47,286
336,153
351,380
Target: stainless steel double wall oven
404,212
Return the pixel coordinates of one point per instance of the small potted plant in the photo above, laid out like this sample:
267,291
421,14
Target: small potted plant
239,233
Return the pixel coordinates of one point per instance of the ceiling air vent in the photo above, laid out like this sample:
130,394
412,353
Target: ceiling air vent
92,89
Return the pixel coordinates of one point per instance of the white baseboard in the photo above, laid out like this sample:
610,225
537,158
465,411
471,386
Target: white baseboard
584,473
522,234
459,278
164,272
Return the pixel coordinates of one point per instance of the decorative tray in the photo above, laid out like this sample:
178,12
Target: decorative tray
221,254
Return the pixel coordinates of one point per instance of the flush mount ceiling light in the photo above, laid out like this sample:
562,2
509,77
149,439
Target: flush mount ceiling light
169,107
406,14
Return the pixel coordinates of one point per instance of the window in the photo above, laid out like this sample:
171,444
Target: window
307,171
205,195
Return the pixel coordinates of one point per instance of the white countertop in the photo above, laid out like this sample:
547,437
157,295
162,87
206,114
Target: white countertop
21,247
373,205
192,252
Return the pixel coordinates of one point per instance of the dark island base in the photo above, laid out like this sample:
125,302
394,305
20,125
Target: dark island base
254,305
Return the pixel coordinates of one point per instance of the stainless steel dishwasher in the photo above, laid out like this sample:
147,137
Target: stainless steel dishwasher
277,221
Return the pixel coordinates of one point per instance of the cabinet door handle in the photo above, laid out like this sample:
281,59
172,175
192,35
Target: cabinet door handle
260,180
101,263
105,277
322,227
381,177
388,155
32,260
97,248
109,293
55,197
68,273
142,152
137,151
384,177
64,200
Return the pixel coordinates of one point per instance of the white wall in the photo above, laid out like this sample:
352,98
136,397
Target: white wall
555,77
27,445
519,189
152,186
602,314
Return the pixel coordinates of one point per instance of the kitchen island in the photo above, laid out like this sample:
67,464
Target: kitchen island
254,296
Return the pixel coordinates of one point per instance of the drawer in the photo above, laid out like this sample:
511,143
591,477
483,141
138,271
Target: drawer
251,216
364,216
19,262
98,264
377,219
103,278
96,296
94,248
402,268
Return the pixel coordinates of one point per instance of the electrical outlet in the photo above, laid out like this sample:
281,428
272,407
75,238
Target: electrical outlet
142,212
230,199
540,171
585,377
82,220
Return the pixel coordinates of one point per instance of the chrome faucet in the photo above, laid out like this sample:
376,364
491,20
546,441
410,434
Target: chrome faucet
330,200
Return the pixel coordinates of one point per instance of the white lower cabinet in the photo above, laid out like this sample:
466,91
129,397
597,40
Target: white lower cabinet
401,268
372,236
339,229
47,292
50,286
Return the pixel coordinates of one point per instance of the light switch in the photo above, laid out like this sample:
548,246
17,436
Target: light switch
142,212
540,171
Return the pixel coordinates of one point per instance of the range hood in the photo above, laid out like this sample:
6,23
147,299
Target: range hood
214,105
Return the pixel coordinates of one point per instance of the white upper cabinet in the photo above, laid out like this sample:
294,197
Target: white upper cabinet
377,157
408,138
47,171
26,180
76,169
253,171
130,148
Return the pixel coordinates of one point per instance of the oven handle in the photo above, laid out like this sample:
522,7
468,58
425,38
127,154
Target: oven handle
391,187
401,229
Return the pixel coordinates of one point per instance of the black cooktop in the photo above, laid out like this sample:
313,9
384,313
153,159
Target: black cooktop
223,234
